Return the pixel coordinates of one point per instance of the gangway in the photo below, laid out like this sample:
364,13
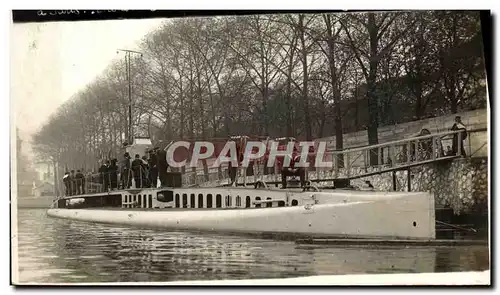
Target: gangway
355,163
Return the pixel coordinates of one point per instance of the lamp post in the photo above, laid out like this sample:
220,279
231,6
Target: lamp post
128,54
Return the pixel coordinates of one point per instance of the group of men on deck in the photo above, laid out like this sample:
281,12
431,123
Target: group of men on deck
74,183
143,170
112,174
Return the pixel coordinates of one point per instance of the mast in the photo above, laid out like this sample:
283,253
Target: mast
128,70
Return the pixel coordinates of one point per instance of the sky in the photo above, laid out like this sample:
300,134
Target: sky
50,62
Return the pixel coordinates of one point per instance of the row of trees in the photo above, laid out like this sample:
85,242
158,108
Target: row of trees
302,75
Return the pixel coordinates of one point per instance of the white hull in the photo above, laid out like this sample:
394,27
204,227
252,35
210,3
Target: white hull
340,213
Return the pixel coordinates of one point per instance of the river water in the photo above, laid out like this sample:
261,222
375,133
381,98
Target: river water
63,251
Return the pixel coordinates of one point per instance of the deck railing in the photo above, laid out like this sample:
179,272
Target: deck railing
107,181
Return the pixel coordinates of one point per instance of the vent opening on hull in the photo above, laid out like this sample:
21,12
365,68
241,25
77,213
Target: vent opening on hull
228,201
218,201
192,201
177,201
209,201
257,199
238,201
184,200
200,200
295,202
247,202
269,204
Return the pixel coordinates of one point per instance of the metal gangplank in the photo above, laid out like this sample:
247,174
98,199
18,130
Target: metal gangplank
360,162
395,155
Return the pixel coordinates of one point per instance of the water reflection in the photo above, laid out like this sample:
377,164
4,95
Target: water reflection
57,250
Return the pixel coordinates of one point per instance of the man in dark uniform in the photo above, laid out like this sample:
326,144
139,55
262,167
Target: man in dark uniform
113,174
162,165
80,182
233,171
126,175
292,170
103,175
145,172
137,171
153,168
73,182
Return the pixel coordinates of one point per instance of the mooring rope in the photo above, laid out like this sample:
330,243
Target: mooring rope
457,227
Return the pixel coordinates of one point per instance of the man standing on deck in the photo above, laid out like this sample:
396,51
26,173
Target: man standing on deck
145,172
73,182
126,175
153,168
104,176
137,171
67,185
113,174
80,182
459,126
162,165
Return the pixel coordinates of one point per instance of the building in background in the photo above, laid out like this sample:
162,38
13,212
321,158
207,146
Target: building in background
43,189
26,175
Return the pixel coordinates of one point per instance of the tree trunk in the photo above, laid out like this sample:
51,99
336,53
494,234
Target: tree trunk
339,137
305,80
371,89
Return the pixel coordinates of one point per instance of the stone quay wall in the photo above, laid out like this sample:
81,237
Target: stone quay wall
459,184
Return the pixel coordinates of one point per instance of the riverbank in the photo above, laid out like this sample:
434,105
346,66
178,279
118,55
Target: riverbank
43,202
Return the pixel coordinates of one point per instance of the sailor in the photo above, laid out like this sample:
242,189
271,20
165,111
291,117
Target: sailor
67,185
153,168
162,165
125,172
80,182
145,172
292,170
113,174
137,171
459,126
73,182
103,175
233,171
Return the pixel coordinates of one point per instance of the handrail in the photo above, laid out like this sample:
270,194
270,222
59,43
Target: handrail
416,136
397,142
106,181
